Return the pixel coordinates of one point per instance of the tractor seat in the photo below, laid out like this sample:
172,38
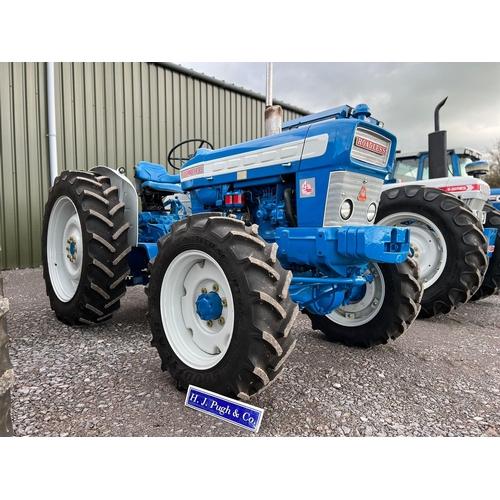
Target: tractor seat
156,177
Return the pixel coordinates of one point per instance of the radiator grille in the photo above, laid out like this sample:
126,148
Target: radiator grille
343,185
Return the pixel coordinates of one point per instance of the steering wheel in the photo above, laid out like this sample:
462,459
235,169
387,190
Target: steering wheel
171,157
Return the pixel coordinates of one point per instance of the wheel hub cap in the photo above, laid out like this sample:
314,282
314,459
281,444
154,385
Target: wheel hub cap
209,306
71,255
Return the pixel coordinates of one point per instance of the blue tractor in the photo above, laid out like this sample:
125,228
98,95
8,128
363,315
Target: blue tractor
494,198
235,245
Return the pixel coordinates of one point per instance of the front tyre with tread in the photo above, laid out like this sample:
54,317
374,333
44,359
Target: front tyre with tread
84,248
219,306
387,309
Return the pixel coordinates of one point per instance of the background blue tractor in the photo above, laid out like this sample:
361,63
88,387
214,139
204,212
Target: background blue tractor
494,198
232,247
439,195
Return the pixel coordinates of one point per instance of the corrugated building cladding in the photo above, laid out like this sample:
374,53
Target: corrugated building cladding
113,114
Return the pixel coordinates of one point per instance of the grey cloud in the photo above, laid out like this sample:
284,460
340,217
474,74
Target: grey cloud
402,95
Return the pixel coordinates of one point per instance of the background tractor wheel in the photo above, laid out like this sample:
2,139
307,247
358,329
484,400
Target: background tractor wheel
491,281
219,307
84,248
388,307
446,241
6,369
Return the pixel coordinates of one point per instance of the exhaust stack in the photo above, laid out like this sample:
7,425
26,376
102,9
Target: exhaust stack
273,114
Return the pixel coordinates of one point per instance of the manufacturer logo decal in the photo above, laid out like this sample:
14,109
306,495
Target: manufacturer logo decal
370,146
462,188
190,172
362,194
307,188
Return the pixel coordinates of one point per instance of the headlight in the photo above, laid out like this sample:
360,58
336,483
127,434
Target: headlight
346,209
371,212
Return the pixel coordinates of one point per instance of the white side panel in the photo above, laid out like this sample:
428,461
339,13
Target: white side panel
314,146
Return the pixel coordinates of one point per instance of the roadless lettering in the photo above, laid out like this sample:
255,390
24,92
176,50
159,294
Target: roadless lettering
379,149
230,410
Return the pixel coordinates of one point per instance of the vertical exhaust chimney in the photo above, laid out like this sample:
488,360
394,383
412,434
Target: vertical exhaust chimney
438,148
273,114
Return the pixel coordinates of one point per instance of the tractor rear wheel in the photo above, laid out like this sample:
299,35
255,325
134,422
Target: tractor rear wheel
446,241
219,306
386,309
84,248
491,281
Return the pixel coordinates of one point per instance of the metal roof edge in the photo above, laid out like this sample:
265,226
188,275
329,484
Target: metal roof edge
228,86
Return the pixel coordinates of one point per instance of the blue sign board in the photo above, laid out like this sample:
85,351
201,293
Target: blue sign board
230,410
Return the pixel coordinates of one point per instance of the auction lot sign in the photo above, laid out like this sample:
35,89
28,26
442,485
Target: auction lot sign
230,410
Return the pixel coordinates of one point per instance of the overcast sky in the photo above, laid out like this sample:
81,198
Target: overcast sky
402,95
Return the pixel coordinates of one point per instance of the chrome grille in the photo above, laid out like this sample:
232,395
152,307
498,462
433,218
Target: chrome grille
370,147
343,185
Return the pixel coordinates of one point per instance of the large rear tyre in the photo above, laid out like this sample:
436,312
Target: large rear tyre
219,307
387,309
84,248
446,241
491,281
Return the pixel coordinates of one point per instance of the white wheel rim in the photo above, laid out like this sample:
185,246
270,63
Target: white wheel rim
199,343
64,249
427,244
363,311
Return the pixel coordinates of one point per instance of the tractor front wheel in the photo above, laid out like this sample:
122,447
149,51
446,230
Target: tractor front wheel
385,310
219,307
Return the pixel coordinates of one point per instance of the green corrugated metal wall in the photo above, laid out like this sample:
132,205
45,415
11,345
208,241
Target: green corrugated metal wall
24,162
113,114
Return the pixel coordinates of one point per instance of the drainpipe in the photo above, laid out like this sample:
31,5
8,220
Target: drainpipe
51,104
273,114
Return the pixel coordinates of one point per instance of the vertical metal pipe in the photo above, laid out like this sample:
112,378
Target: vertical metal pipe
51,106
273,114
438,148
436,114
269,84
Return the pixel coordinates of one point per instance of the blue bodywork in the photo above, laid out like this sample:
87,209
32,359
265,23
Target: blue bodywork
312,189
495,197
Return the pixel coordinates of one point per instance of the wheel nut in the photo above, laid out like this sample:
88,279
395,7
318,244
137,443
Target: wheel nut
210,323
221,320
215,287
203,290
224,302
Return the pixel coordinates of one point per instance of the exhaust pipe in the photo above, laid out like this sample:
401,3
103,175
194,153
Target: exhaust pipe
273,114
438,148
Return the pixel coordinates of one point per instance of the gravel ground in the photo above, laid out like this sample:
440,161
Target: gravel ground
441,378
